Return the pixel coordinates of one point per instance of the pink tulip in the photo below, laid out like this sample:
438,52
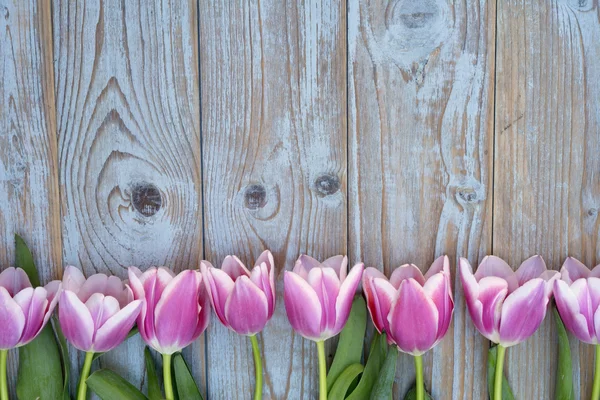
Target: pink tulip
577,298
244,301
97,313
24,310
507,306
318,297
413,310
175,308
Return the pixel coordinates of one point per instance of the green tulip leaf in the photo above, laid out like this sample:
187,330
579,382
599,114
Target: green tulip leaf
412,394
507,393
186,386
350,346
64,351
110,386
344,381
564,389
154,392
377,354
40,373
24,260
134,331
382,390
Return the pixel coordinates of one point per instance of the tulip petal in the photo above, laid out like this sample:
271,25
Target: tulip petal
568,307
326,285
413,319
531,268
260,277
218,286
495,266
267,258
72,279
246,309
380,295
14,280
579,288
94,284
114,331
101,308
53,291
155,281
304,264
302,306
233,267
204,313
75,321
522,312
406,271
440,264
339,265
593,285
137,287
573,269
595,272
33,302
177,312
12,320
345,296
438,290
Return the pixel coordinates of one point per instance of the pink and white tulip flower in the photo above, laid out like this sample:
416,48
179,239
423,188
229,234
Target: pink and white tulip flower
96,313
318,297
24,310
413,310
175,311
243,300
577,297
507,306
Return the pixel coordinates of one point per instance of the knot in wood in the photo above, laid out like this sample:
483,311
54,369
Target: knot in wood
5,12
467,195
255,196
592,212
326,185
413,14
146,199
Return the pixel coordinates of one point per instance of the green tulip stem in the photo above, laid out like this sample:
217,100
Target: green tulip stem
85,372
167,377
322,370
596,387
257,368
499,372
419,371
3,382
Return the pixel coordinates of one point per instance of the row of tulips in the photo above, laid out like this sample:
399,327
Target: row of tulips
413,310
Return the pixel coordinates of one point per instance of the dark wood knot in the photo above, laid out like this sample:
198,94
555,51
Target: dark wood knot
146,199
326,185
255,196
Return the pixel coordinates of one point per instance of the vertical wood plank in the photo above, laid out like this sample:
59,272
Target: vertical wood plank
273,79
420,156
127,92
547,185
29,198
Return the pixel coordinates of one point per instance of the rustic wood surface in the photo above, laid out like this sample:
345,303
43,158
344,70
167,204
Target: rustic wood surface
394,131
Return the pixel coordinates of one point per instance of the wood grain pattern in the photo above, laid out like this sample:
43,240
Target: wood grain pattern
29,198
547,187
420,156
274,156
128,111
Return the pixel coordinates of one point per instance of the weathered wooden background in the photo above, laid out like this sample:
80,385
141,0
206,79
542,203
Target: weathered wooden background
138,132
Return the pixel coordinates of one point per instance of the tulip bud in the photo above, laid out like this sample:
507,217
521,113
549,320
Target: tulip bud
24,310
243,300
175,308
507,306
97,313
318,296
413,310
